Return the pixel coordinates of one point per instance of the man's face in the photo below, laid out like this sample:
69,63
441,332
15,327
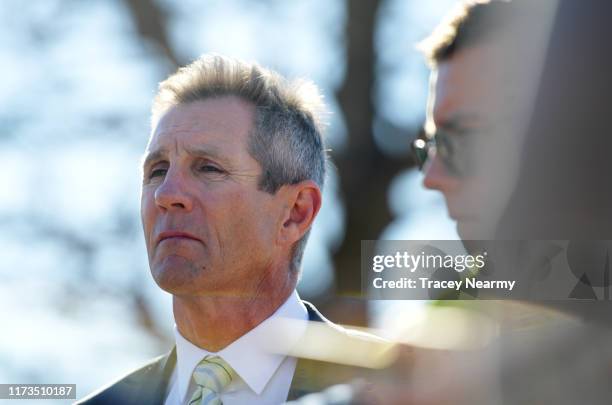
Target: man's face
472,104
208,229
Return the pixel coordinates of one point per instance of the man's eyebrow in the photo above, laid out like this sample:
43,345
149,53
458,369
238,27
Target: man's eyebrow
153,156
207,152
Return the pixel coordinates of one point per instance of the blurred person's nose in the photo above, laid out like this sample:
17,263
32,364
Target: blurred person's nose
437,176
173,193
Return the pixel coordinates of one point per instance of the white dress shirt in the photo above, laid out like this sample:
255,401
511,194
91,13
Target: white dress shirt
263,377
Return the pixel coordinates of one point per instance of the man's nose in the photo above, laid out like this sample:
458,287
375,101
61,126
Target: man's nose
437,176
173,193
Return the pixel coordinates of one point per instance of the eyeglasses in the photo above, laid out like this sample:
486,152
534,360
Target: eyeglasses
455,157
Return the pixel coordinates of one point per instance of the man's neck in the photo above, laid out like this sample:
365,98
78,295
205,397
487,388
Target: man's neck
213,322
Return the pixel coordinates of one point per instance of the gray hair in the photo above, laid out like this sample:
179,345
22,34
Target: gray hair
286,139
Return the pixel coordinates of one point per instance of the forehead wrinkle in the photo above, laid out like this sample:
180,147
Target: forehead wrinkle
207,152
178,125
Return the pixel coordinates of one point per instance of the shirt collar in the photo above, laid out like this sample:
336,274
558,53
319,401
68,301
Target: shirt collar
248,355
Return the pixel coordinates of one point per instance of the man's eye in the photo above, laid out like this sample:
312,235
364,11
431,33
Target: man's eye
157,172
210,169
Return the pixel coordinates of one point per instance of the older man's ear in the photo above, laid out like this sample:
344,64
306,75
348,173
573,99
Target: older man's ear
303,201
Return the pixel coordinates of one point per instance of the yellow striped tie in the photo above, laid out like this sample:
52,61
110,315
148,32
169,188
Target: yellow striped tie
211,376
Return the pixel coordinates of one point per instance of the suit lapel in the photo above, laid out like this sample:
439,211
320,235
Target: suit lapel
154,386
299,383
166,367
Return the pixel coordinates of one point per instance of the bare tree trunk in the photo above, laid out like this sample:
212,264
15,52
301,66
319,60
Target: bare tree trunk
150,23
365,173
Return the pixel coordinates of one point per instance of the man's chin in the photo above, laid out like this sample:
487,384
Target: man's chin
176,275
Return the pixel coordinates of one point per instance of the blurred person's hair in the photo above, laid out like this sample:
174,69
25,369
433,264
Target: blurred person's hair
286,139
469,23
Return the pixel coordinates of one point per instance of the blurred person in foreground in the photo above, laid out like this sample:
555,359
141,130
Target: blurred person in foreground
518,142
529,83
534,73
232,179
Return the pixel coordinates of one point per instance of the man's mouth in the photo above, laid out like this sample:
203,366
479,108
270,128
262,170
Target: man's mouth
175,235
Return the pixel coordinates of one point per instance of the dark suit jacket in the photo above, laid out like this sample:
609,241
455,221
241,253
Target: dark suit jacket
149,384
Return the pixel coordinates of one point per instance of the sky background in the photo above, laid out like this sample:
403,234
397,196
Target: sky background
76,299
